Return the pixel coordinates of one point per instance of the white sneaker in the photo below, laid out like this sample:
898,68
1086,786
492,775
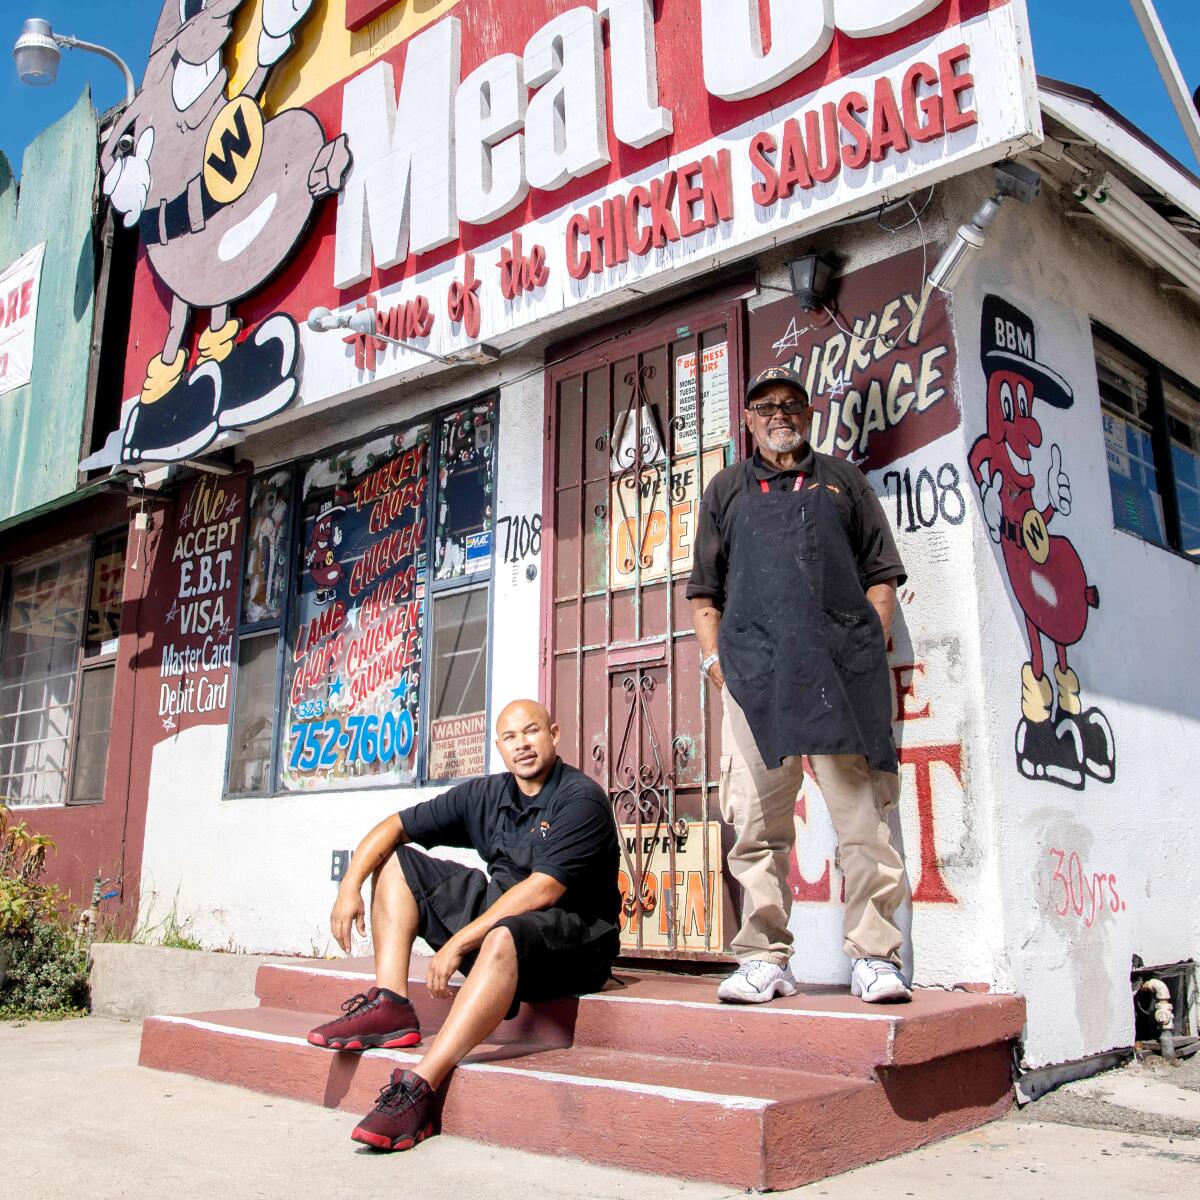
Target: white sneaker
756,982
877,981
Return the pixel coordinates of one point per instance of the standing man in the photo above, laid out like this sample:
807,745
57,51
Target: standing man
793,590
543,925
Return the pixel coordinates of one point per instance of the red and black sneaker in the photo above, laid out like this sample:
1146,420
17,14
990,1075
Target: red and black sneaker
404,1114
378,1019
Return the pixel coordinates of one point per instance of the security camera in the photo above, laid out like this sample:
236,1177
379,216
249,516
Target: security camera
1012,179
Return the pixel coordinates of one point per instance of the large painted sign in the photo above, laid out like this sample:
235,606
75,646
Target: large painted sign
193,601
19,286
220,195
879,362
501,166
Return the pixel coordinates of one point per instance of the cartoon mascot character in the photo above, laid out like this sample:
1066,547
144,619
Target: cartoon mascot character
1022,493
320,557
220,195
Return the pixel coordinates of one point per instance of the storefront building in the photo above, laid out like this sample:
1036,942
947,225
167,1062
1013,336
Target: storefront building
571,227
67,650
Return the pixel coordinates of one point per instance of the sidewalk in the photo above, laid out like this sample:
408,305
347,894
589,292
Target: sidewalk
81,1118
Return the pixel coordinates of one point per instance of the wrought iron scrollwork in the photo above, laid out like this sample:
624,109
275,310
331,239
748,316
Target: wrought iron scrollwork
643,800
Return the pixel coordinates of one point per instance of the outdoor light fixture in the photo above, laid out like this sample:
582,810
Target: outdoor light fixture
362,322
1127,216
811,277
38,52
1012,179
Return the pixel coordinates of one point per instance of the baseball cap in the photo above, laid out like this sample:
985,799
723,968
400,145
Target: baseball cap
775,375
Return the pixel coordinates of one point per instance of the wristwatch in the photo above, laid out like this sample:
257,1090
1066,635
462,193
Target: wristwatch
706,664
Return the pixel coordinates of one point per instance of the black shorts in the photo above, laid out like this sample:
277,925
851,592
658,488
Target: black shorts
559,953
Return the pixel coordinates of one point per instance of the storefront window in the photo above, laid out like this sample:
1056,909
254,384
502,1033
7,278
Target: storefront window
351,712
264,598
1183,418
264,586
1132,476
253,733
62,621
463,544
107,594
1151,422
458,685
341,680
91,747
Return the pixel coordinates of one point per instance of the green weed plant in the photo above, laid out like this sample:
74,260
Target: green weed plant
45,976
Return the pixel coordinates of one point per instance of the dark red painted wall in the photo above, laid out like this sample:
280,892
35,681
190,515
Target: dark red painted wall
105,838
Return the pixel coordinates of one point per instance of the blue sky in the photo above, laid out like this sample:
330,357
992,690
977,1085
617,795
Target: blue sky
1103,51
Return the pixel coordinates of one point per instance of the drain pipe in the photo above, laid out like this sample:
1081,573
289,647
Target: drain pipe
1164,1014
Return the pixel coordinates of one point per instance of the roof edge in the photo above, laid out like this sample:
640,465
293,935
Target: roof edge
1073,91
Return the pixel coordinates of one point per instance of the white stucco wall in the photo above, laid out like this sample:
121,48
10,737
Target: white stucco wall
998,835
1137,661
254,873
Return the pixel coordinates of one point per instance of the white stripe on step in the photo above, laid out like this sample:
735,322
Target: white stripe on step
611,998
775,1012
320,972
751,1103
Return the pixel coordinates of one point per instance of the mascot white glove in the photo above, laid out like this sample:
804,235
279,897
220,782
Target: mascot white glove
127,183
1057,484
1052,488
280,18
989,495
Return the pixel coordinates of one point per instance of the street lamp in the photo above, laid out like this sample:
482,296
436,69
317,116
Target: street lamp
37,54
363,322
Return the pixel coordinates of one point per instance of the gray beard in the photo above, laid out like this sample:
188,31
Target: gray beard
784,441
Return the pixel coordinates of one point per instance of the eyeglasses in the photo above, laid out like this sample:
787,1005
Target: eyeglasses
790,408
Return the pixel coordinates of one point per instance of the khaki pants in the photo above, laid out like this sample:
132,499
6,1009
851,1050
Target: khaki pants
760,804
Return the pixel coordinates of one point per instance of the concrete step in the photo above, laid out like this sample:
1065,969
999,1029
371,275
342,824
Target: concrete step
756,1125
676,1016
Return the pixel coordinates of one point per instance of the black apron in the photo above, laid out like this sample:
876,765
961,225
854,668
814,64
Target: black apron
801,647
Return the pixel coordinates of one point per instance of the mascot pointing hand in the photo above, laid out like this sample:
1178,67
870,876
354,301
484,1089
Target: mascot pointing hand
220,195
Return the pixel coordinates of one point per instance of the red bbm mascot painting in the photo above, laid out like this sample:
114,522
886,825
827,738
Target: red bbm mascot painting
220,194
321,555
1025,492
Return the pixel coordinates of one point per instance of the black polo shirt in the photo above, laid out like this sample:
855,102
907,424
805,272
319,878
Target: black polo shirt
857,504
566,831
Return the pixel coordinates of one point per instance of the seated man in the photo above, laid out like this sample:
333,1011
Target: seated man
543,926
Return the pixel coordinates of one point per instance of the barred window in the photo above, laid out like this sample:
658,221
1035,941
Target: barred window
62,619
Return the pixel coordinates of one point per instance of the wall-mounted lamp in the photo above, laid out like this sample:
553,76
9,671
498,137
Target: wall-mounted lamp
1012,179
363,322
811,277
38,51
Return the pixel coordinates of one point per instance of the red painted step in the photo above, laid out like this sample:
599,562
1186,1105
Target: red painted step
821,1029
761,1127
651,1074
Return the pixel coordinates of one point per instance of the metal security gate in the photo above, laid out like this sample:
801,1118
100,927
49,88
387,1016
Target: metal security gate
635,430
